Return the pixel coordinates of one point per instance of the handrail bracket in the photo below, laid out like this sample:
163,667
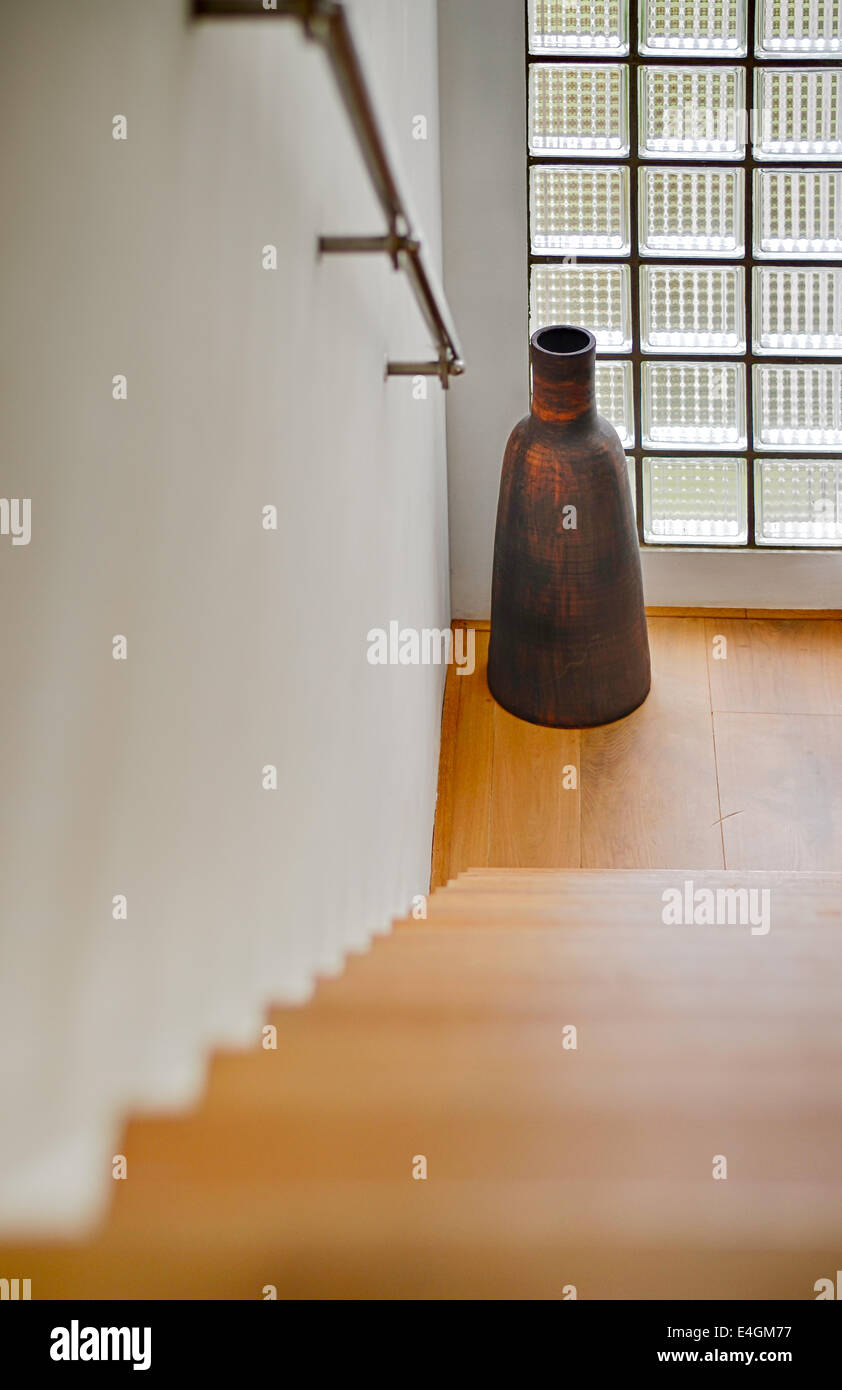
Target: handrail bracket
326,21
392,243
444,368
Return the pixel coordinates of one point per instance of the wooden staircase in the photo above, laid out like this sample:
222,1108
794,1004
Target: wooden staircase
550,1167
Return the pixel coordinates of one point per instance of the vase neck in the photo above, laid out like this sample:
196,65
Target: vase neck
563,363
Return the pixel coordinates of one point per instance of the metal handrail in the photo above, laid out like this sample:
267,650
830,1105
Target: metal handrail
326,22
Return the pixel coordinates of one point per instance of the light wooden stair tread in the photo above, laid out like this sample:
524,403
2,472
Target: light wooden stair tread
449,1038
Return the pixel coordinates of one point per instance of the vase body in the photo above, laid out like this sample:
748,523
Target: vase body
568,645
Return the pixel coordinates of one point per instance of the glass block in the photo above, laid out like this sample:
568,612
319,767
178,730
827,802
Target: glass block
598,297
694,112
692,308
614,398
798,407
798,310
580,208
798,113
695,501
582,27
798,213
691,212
709,27
798,502
687,403
632,481
577,108
792,28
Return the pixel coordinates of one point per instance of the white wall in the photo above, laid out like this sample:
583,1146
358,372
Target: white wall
484,182
245,647
483,121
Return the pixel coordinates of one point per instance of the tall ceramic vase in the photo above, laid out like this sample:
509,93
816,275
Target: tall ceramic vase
568,645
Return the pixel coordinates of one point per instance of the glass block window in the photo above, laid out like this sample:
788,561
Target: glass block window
614,398
799,501
596,28
693,403
789,28
707,28
577,208
578,107
797,214
798,407
798,113
692,112
695,501
597,295
798,309
691,212
692,307
630,472
701,243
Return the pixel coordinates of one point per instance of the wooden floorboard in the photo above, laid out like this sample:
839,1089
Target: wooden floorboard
649,796
783,666
473,767
780,779
534,794
445,798
648,786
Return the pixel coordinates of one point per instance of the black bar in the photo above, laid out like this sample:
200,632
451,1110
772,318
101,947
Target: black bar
240,1341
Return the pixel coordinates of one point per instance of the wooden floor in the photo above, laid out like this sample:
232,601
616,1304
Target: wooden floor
734,761
548,1166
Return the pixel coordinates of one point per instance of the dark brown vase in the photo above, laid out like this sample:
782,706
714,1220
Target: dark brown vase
568,646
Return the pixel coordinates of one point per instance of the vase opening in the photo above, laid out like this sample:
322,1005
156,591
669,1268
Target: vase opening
563,341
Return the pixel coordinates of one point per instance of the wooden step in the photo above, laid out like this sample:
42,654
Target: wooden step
548,1164
625,896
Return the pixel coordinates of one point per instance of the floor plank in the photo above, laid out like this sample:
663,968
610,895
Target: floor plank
445,799
780,780
649,793
534,795
782,666
472,768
